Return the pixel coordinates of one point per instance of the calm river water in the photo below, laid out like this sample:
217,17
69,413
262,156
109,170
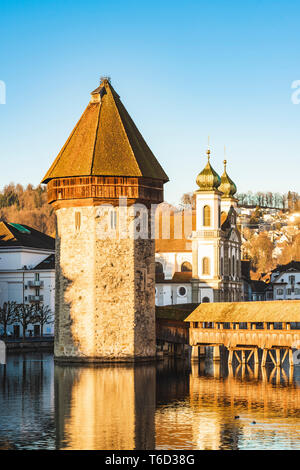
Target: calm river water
168,405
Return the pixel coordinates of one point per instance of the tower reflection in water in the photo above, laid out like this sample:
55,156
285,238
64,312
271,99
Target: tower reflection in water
105,407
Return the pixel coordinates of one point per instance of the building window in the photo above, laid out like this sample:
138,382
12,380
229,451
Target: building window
77,220
233,266
205,300
297,291
222,266
292,279
206,266
37,276
181,291
206,216
186,267
289,291
279,291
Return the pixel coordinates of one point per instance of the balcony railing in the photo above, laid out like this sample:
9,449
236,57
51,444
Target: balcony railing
35,298
35,283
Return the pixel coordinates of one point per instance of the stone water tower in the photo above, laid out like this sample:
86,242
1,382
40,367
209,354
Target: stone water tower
105,301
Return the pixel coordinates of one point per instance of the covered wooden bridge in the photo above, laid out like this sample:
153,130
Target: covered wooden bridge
245,327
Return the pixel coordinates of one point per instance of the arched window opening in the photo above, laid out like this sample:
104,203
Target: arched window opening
205,300
206,216
233,266
206,266
186,267
159,269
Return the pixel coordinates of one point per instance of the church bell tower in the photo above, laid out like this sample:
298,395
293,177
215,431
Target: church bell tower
102,185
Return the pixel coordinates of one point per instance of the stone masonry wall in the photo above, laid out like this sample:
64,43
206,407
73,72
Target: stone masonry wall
105,292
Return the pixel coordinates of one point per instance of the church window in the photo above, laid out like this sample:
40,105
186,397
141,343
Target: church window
206,216
206,266
186,267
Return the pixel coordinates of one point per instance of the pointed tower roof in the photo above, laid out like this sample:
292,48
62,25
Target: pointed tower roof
208,179
105,141
227,187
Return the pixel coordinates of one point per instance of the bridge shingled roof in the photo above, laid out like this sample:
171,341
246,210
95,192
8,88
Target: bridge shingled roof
268,311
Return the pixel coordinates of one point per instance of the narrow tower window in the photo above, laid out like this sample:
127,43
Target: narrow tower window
77,220
113,219
206,216
206,266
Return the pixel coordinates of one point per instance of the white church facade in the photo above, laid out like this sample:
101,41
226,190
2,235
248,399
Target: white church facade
205,266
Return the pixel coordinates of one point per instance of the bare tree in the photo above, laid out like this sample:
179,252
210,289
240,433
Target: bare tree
43,316
25,314
7,315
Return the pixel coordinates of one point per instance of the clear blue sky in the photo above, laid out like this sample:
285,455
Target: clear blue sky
183,69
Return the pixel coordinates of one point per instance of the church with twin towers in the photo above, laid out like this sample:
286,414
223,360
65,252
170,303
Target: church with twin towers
205,264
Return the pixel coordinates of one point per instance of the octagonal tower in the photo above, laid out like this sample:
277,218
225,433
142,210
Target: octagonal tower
105,281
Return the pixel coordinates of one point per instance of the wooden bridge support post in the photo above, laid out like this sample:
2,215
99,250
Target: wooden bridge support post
264,357
243,356
230,357
195,353
256,360
291,358
216,353
278,363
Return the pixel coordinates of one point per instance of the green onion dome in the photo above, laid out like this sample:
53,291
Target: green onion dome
227,187
208,179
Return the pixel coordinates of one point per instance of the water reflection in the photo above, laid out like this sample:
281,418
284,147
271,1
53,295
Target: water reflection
27,401
168,405
105,407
